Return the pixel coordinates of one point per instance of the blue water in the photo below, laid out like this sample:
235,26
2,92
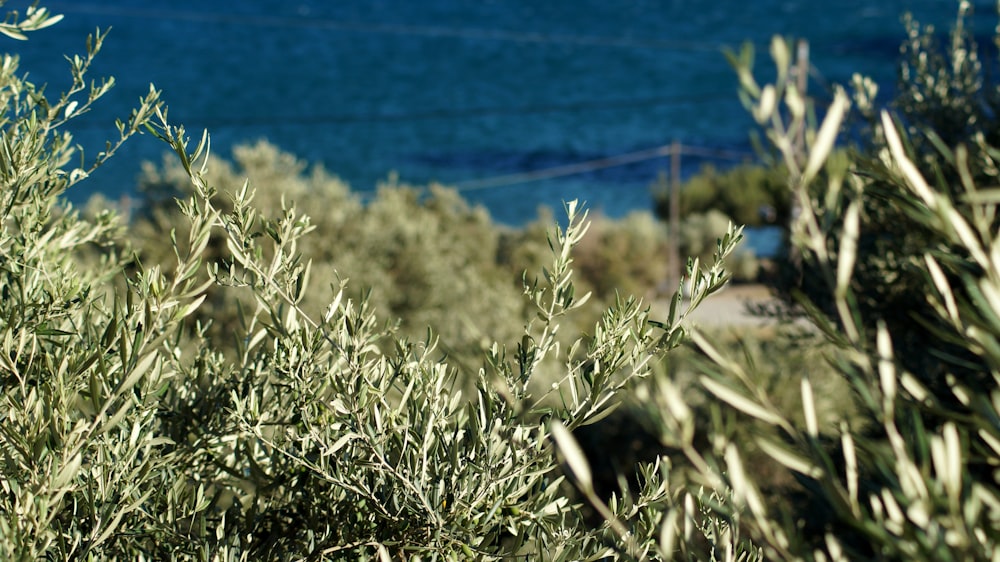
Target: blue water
460,91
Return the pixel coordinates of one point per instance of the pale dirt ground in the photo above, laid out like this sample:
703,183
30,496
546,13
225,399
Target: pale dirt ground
726,308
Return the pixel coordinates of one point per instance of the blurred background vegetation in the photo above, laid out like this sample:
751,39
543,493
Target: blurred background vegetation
422,254
750,194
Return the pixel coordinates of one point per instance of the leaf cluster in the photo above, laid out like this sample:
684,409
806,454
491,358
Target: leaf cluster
912,474
750,194
946,113
132,430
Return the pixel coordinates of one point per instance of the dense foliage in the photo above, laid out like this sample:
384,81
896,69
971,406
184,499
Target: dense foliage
411,255
750,194
413,252
914,478
221,391
134,429
946,109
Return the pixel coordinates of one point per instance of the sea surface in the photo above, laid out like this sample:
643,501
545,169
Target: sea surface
486,95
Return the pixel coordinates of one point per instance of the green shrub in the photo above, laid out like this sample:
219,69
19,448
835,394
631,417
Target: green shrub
84,465
751,194
133,431
912,475
419,260
947,109
312,428
770,355
698,233
423,257
626,257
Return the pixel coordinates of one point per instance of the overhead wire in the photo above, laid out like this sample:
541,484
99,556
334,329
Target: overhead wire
598,164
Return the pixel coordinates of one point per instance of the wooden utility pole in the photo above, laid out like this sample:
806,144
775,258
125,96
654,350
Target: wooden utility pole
675,216
801,84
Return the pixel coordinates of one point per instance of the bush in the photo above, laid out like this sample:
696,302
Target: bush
946,107
698,234
84,465
628,256
623,257
913,478
751,194
419,260
132,430
422,256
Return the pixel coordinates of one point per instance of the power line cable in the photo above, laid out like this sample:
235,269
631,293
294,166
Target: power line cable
597,164
716,153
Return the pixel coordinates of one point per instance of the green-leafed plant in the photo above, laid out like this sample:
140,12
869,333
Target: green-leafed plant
752,194
913,475
423,257
623,257
697,235
312,428
390,444
946,109
85,468
419,259
132,430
